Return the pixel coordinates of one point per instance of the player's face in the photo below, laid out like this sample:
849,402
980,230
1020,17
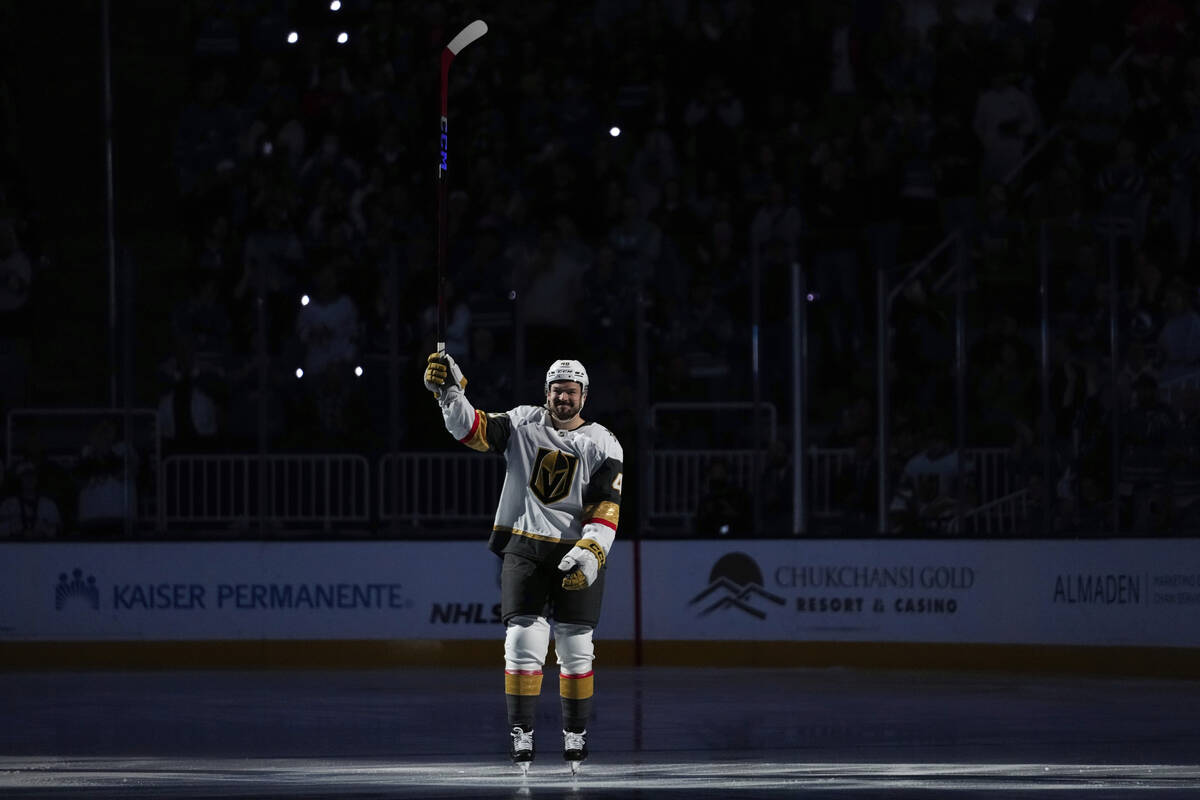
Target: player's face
565,399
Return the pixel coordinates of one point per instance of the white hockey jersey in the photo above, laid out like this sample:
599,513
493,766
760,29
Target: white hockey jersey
560,486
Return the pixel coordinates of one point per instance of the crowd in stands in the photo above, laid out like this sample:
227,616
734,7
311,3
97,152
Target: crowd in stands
850,137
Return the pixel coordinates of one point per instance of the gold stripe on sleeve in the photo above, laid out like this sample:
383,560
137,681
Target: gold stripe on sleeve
477,438
606,510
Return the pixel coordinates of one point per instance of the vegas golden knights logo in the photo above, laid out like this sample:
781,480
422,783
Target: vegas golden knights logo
553,473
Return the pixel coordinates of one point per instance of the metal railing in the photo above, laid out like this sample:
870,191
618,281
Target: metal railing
450,487
992,473
1008,514
288,488
988,467
825,466
678,479
463,487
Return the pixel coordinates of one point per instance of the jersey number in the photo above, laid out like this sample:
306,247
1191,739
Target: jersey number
616,484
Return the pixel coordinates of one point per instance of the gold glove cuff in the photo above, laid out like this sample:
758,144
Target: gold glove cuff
594,546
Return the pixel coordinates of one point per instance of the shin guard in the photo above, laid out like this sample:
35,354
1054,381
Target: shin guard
526,641
573,645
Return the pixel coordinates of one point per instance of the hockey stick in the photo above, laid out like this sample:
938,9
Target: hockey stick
465,37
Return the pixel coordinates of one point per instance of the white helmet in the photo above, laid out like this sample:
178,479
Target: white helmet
568,369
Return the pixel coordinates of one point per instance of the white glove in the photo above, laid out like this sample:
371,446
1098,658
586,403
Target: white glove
582,564
440,371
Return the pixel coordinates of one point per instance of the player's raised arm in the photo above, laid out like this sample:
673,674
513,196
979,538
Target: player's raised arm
474,428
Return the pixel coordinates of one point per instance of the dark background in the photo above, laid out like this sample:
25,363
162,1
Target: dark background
1020,175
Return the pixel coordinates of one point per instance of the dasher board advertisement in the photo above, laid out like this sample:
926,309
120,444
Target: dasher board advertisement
1107,592
267,590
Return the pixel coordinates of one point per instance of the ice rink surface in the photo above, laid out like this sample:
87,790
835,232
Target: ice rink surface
657,733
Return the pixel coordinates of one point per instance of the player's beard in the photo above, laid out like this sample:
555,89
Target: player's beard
564,412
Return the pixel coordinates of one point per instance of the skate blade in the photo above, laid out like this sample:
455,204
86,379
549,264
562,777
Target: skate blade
524,767
576,766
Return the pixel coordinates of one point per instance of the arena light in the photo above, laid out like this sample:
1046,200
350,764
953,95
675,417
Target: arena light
358,371
293,37
299,373
336,5
305,300
343,37
614,131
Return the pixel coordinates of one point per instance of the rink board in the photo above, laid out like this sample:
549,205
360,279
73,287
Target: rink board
811,602
173,591
1116,592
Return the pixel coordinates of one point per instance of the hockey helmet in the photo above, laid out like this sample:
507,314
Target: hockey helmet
568,369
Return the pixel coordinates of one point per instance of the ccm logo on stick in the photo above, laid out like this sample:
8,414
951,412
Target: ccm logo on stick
445,140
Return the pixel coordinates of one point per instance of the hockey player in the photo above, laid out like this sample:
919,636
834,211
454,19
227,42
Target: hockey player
554,527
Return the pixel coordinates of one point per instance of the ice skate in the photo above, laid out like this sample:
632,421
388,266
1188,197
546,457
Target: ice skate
522,748
574,749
